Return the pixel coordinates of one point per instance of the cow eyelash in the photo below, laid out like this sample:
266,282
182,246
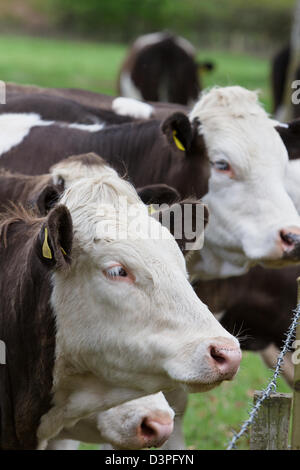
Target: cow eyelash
221,165
117,273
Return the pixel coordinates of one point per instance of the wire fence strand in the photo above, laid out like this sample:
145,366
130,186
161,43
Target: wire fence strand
273,382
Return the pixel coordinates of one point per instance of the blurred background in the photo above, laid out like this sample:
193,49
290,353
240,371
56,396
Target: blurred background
75,43
81,44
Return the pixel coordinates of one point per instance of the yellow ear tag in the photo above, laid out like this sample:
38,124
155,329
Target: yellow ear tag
151,209
177,141
63,251
46,249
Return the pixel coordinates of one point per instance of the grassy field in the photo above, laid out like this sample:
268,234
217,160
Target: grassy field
94,66
212,416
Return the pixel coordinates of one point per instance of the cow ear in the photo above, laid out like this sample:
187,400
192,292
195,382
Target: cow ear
186,220
158,194
178,131
54,243
47,198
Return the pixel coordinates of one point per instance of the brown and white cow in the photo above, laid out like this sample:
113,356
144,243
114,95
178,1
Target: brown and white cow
119,105
41,192
161,67
99,319
62,109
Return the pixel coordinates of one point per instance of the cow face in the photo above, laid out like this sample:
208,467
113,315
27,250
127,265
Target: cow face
125,310
252,218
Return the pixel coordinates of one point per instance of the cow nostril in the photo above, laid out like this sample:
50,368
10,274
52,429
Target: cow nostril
225,359
217,355
147,430
287,237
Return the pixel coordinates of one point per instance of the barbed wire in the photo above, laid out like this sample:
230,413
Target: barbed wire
273,382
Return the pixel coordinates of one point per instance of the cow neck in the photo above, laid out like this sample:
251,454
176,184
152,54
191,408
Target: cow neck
28,329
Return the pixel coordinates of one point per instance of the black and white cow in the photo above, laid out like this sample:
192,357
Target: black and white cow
162,67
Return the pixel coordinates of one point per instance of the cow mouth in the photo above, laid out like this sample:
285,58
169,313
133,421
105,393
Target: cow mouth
289,257
192,387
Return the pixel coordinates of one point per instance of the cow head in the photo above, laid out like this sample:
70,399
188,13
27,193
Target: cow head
67,171
252,217
136,424
125,310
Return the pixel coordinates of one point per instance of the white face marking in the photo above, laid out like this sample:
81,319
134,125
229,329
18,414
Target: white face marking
247,199
132,107
161,329
128,88
14,127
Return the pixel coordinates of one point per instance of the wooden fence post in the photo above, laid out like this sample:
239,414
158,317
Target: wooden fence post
296,396
270,429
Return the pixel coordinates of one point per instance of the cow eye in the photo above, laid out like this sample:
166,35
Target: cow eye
221,165
117,273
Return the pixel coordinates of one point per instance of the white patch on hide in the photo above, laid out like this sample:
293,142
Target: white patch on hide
132,107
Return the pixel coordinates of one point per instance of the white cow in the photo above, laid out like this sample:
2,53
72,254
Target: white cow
128,321
145,422
250,210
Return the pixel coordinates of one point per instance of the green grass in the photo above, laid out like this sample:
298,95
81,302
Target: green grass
55,63
212,416
94,66
237,69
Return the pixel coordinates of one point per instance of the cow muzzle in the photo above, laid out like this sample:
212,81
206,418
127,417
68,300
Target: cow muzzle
214,360
225,358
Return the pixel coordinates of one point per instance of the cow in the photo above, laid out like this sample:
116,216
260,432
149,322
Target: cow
228,131
67,277
279,71
41,192
119,105
161,67
145,422
259,305
57,108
